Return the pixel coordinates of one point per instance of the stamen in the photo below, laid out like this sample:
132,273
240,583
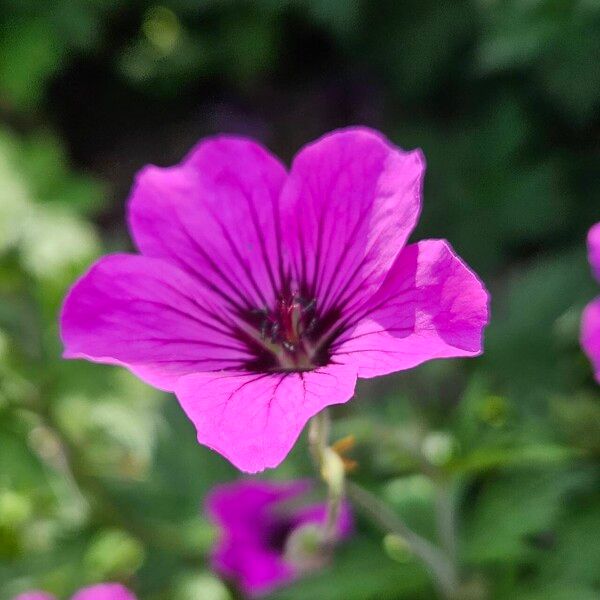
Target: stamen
286,332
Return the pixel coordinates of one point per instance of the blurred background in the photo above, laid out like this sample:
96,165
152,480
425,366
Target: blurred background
100,475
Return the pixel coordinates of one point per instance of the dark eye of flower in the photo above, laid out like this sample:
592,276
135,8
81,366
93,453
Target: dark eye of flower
291,335
276,534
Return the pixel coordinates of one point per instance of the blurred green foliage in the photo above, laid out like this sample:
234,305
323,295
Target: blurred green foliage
101,477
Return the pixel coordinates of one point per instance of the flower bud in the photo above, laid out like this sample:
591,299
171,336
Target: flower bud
438,448
333,472
304,547
397,548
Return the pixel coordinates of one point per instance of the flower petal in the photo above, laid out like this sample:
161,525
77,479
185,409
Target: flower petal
348,207
104,591
253,419
34,595
149,316
215,215
244,511
594,249
590,334
238,505
317,513
256,570
430,306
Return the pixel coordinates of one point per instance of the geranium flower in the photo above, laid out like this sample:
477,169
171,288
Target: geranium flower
102,591
260,295
257,520
590,323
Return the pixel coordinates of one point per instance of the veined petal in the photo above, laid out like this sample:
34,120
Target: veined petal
590,334
594,249
104,591
254,419
148,315
349,204
215,215
431,305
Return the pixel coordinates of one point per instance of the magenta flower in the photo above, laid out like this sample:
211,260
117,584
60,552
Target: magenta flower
590,323
102,591
260,296
256,520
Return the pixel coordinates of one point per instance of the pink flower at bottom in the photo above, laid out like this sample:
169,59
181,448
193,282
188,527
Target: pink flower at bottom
260,295
590,322
102,591
256,520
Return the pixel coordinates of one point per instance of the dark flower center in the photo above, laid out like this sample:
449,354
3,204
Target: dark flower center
276,534
290,336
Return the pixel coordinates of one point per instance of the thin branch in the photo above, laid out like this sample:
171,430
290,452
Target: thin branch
435,560
318,440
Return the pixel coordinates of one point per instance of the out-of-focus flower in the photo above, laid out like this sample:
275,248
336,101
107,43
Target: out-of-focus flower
260,296
590,323
102,591
261,525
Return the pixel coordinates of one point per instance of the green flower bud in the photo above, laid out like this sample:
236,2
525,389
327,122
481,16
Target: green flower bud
397,548
438,448
304,547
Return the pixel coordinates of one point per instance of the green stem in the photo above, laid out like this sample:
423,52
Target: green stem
439,565
318,436
318,439
446,517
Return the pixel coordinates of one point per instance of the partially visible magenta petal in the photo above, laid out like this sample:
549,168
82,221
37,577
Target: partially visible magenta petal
594,249
255,520
237,504
215,215
34,595
246,514
317,513
104,591
348,207
590,335
431,305
253,419
149,316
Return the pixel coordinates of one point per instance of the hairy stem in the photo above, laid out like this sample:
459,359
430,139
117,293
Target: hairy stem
318,436
324,459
